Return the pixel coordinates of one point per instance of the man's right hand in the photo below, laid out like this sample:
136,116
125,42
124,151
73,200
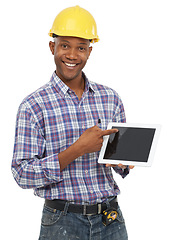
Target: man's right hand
92,139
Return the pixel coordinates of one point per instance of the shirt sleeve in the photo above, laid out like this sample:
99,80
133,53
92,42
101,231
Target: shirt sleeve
30,167
120,117
119,114
122,172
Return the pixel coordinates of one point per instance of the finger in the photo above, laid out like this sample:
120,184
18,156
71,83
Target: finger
131,167
109,131
108,165
111,165
122,166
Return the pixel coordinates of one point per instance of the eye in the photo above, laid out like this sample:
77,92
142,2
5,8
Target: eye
64,46
82,49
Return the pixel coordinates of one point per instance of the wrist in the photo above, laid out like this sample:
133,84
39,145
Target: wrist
78,148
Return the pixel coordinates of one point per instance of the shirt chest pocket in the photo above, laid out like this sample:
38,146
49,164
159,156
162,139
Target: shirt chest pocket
101,123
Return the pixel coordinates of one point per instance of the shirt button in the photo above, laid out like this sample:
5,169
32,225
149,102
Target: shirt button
86,171
91,191
83,127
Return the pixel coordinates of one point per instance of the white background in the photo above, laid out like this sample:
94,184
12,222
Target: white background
132,57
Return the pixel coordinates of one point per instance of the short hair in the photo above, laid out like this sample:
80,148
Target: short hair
55,36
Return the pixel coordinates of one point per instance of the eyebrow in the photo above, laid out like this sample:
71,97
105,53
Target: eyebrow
83,43
65,41
69,42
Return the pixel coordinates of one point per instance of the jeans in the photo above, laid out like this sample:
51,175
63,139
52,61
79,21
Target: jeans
59,225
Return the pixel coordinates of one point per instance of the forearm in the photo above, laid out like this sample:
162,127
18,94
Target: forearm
36,173
30,171
69,155
90,141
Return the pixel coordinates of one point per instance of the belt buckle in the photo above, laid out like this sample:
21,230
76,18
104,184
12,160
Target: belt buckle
99,208
84,209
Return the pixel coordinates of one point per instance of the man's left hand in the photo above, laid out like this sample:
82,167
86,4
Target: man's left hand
120,165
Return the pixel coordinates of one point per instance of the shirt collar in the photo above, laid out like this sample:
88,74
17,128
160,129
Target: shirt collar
88,85
62,88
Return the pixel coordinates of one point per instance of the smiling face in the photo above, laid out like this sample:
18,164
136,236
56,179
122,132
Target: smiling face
70,55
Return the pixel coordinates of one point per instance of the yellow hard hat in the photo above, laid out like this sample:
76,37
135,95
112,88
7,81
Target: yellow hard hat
75,22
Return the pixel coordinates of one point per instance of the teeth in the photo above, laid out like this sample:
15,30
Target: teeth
70,64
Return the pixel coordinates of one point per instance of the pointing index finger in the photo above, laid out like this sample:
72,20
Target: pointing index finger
109,131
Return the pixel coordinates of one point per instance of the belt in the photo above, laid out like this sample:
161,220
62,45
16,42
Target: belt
82,209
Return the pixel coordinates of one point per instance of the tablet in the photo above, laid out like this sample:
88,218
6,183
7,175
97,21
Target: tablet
133,144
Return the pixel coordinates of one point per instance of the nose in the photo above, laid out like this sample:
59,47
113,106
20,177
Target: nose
71,54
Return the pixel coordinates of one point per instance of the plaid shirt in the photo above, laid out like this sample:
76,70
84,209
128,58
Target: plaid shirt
48,122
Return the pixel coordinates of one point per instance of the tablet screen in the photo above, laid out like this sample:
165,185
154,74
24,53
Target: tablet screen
130,144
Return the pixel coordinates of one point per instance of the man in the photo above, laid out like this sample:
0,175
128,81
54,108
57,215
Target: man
59,134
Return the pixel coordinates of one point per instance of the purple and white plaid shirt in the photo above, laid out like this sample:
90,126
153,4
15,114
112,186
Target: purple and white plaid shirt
48,122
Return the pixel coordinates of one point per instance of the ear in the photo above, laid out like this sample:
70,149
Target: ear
90,50
52,47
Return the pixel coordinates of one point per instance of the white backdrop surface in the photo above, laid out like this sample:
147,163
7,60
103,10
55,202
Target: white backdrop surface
132,57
